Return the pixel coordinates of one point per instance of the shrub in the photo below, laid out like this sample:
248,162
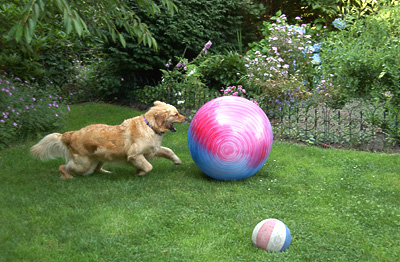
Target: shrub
181,83
223,70
279,64
364,57
288,43
27,110
181,35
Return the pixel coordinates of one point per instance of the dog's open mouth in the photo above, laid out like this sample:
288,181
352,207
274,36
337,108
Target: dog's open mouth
172,128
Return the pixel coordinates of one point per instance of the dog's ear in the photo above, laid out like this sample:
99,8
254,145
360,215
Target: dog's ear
158,103
159,117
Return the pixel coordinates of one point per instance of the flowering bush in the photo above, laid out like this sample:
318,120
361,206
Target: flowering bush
27,110
339,23
280,64
236,91
78,83
288,43
183,76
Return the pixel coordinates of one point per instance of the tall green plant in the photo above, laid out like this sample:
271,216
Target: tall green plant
364,57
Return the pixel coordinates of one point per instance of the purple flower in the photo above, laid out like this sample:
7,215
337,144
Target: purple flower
68,108
122,79
207,46
15,124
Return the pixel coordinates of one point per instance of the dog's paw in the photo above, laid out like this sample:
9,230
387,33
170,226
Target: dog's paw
66,177
177,161
105,171
140,173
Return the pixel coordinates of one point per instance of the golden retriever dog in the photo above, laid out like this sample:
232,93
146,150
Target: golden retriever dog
136,141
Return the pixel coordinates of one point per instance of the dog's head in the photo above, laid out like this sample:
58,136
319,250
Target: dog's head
162,117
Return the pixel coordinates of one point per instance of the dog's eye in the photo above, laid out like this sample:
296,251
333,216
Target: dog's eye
177,114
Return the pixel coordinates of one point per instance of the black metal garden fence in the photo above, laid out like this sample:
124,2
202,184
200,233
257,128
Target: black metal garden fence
357,125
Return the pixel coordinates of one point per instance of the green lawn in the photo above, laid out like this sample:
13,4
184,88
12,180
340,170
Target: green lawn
339,205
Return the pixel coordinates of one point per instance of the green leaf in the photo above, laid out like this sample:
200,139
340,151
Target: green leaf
27,34
68,25
12,32
27,7
77,26
113,35
122,40
154,43
42,5
59,4
36,9
19,32
32,25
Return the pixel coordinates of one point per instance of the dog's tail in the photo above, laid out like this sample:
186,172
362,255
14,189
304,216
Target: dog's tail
50,147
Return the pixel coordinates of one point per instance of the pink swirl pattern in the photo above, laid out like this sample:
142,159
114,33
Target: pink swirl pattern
230,138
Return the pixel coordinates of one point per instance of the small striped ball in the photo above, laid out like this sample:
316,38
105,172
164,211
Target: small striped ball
271,235
230,138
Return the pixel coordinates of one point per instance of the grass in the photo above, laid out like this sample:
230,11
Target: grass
339,206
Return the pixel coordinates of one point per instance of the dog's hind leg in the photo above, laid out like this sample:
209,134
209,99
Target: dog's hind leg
141,164
99,168
64,174
81,165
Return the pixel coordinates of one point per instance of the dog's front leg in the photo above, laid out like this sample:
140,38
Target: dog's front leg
167,153
141,164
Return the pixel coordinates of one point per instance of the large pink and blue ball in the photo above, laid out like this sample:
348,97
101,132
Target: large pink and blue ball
271,235
230,138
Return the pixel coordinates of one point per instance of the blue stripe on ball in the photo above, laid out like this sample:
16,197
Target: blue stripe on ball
287,239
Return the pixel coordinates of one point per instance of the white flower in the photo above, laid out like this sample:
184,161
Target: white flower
192,72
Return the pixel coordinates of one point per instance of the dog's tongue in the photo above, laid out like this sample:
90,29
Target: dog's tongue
172,128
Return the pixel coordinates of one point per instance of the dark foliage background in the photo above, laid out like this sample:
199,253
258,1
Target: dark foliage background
184,34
